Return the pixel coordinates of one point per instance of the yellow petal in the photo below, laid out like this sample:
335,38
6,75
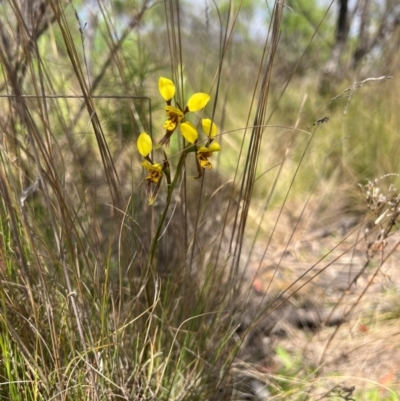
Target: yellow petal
166,88
198,101
214,147
202,149
203,161
144,144
151,167
189,131
205,164
209,128
173,111
170,125
147,165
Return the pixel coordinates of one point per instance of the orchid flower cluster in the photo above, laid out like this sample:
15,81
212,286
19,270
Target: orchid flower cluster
176,119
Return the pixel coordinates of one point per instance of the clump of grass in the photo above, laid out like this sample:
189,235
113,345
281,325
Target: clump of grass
104,296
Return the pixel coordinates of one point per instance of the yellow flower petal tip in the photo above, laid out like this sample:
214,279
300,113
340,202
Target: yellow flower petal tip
189,131
214,147
209,128
166,88
173,111
144,144
198,101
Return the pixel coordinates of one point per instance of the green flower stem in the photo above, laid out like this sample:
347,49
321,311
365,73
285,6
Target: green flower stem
171,187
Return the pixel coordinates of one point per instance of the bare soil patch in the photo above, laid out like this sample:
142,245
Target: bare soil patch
341,317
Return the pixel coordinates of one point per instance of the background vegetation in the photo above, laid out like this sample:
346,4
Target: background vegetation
104,297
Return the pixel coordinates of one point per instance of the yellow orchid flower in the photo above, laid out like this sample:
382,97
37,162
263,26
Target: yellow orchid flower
155,170
176,115
204,152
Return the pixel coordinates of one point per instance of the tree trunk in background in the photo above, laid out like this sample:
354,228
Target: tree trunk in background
342,23
342,31
363,45
332,67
